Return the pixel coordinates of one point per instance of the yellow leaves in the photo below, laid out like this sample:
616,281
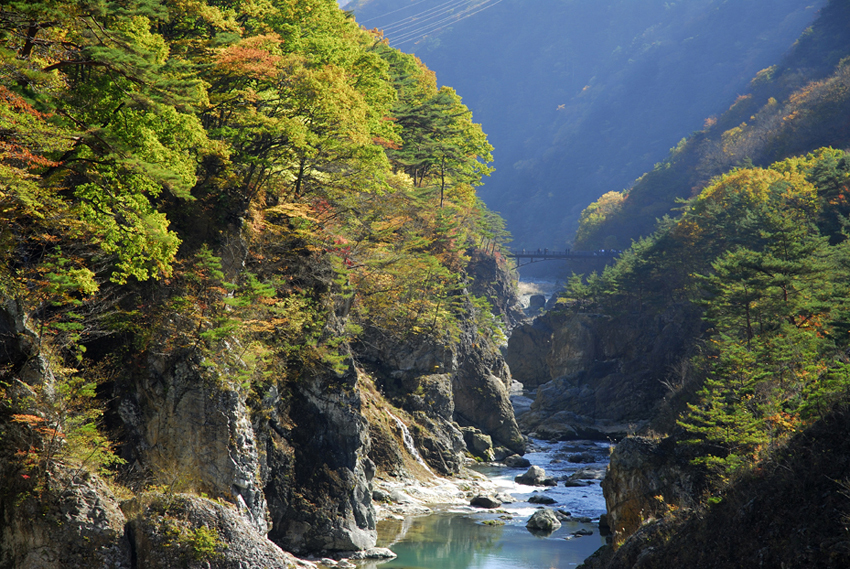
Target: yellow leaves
300,210
595,214
752,186
200,10
139,29
731,136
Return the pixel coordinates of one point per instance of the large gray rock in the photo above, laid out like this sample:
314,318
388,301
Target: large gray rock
517,461
482,501
640,470
319,472
75,523
541,499
543,520
478,443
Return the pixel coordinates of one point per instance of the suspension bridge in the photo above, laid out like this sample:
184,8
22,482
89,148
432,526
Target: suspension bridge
526,257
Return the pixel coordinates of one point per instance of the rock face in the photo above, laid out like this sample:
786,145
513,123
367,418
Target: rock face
290,460
644,478
76,523
193,431
785,514
445,387
597,376
492,280
319,473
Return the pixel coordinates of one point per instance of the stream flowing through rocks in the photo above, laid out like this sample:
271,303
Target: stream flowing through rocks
466,537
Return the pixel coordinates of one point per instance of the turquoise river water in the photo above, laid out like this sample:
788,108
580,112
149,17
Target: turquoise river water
459,538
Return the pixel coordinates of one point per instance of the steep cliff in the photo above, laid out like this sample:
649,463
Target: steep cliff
791,512
596,375
291,460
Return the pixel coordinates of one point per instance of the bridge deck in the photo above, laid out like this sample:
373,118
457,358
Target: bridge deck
547,255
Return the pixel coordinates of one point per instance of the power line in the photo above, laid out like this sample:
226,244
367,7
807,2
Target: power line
421,27
406,38
428,14
392,12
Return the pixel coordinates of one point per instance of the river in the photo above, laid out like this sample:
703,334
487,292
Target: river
472,538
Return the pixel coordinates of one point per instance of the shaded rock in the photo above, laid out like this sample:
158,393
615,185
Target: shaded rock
588,473
582,457
494,281
541,499
571,483
535,476
478,443
380,496
319,477
482,501
604,371
517,461
639,470
536,303
543,520
179,530
500,453
161,411
75,523
604,528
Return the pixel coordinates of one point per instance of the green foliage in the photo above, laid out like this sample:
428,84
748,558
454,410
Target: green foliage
58,426
226,179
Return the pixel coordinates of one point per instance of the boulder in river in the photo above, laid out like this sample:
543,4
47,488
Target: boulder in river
543,520
541,499
483,501
535,476
517,461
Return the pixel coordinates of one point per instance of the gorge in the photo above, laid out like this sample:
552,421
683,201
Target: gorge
253,310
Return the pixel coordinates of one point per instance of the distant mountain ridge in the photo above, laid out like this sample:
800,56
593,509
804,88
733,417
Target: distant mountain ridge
576,108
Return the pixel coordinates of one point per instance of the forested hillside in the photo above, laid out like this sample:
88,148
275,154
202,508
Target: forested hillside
762,254
756,245
581,98
215,218
792,107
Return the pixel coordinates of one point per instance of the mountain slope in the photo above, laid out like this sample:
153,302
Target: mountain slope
792,107
581,98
